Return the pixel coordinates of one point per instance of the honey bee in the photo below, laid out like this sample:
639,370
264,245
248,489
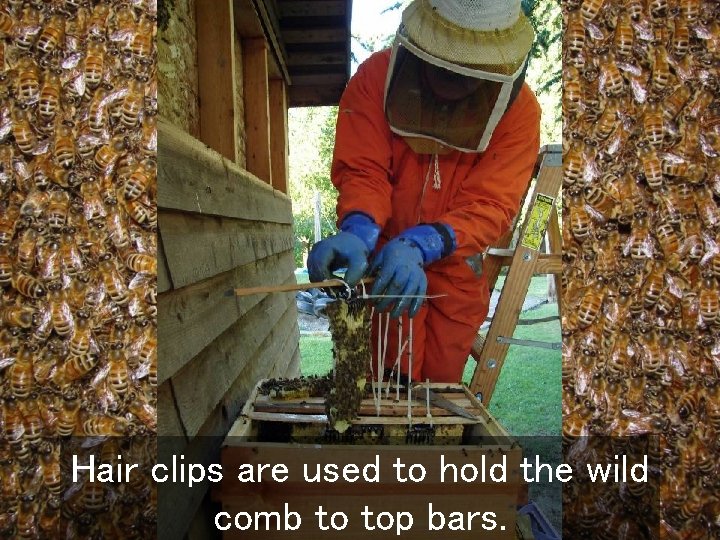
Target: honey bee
133,103
590,9
141,263
17,316
653,123
148,137
681,38
660,70
624,35
21,372
57,211
52,35
668,240
108,154
139,180
573,164
690,10
64,150
689,404
651,165
28,29
6,269
689,142
114,284
49,100
139,407
591,302
611,81
68,414
6,23
26,517
700,101
93,205
707,208
608,120
97,112
639,246
142,42
32,419
674,102
28,81
654,284
49,519
50,465
25,137
580,223
62,318
138,212
104,426
118,374
28,286
75,368
94,64
98,20
709,299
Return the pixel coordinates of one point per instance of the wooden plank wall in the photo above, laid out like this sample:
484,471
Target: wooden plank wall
220,227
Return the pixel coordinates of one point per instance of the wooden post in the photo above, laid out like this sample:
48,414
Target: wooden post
216,75
257,108
506,315
279,134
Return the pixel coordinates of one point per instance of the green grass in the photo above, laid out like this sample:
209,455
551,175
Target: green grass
528,393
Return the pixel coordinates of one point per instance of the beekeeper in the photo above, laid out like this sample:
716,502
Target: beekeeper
435,145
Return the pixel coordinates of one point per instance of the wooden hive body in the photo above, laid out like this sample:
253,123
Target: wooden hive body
295,432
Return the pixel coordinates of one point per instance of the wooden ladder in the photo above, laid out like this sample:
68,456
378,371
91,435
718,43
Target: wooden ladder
524,261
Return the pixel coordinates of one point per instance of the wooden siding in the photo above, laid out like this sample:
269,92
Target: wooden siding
219,228
177,67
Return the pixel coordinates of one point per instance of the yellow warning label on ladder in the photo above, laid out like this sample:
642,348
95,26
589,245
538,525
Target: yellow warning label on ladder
539,216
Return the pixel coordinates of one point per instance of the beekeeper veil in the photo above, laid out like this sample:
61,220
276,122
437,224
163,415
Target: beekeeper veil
456,66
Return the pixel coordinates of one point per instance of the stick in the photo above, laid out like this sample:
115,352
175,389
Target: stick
292,287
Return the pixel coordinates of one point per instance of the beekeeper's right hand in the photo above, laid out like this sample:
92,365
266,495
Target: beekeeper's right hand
349,248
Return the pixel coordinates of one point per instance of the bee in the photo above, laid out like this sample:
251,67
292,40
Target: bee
653,123
140,179
50,465
611,81
97,112
639,246
94,64
680,38
141,263
148,352
707,208
76,367
93,205
700,102
98,20
28,81
660,70
118,374
6,23
49,519
52,35
688,144
133,103
607,121
142,43
62,318
68,414
148,137
709,299
17,316
574,164
138,212
104,426
674,102
49,100
32,418
6,269
28,29
668,240
651,165
689,404
64,150
139,407
591,302
590,9
654,284
108,154
26,523
21,372
114,284
57,211
25,137
29,286
624,35
7,230
690,10
580,223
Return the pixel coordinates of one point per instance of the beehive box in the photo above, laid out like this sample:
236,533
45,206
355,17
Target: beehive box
295,432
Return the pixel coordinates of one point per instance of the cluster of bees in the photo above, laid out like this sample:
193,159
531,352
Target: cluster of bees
78,215
641,250
350,329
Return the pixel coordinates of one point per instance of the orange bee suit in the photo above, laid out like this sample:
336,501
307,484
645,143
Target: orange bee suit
377,173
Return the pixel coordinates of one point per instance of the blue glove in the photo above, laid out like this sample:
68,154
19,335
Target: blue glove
349,248
400,266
